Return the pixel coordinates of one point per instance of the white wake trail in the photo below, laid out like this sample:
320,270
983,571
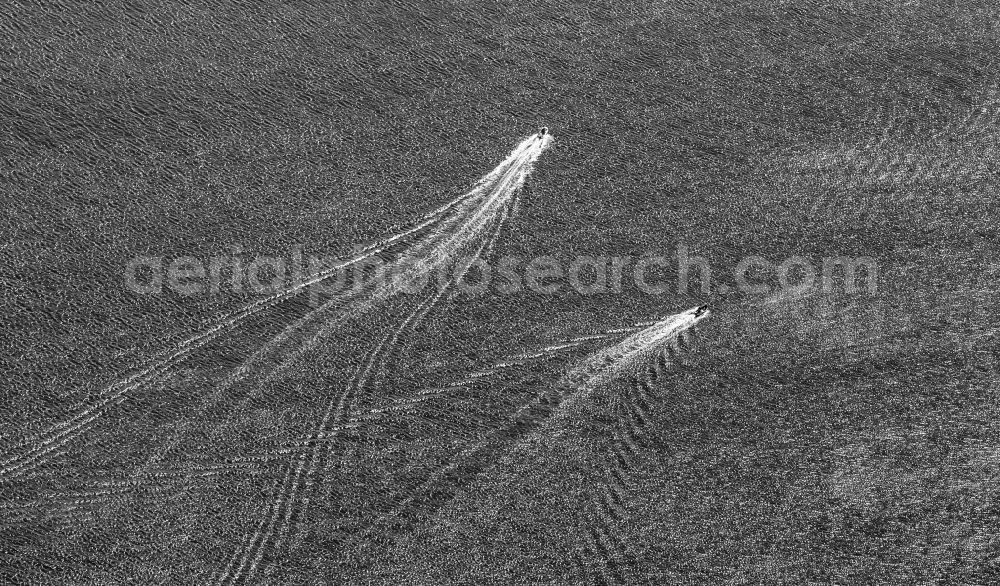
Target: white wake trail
39,448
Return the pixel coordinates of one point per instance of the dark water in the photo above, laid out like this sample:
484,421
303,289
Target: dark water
829,438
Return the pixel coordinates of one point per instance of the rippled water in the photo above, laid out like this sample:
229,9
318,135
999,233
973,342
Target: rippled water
824,437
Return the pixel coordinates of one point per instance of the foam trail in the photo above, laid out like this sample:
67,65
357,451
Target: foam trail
598,368
480,203
625,356
441,251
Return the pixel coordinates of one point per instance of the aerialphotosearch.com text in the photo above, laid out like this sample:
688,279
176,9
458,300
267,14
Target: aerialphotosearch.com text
653,274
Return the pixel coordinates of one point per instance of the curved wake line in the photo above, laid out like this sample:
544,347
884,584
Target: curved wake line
481,223
511,173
